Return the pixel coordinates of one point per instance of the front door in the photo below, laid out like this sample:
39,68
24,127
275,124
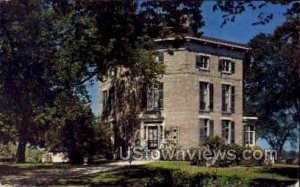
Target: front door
152,137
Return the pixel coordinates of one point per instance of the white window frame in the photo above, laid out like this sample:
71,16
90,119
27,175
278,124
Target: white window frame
208,62
249,132
228,126
228,108
153,98
227,63
206,127
206,94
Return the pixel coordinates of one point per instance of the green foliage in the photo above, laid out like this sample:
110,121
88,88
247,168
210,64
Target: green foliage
33,52
180,178
252,161
232,9
34,155
276,105
5,152
79,135
196,160
216,144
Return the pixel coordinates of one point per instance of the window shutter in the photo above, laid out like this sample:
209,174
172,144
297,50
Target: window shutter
150,96
201,96
223,98
211,97
220,65
232,98
197,61
161,56
232,132
211,127
232,67
111,98
202,121
144,97
223,130
245,135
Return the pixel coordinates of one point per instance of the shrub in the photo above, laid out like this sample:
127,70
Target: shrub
179,178
34,155
6,154
252,161
4,151
217,145
196,160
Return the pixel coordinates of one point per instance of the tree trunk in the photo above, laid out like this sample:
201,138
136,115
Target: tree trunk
20,156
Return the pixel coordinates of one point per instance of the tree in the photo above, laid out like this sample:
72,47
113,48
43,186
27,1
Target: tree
231,9
271,85
33,72
121,48
25,87
75,131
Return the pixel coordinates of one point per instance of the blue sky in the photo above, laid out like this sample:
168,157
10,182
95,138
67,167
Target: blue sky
239,31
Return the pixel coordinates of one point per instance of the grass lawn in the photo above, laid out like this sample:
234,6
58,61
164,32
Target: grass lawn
140,175
278,172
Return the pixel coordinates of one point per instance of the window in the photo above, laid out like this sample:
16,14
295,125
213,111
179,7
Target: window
206,129
249,135
155,98
105,100
160,92
202,62
206,96
226,66
228,98
228,131
159,56
152,137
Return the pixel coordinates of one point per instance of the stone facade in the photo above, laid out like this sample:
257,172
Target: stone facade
181,115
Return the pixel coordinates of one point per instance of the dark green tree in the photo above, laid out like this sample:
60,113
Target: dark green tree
75,131
271,88
33,71
25,58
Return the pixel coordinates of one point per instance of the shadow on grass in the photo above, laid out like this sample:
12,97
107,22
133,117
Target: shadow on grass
272,183
18,169
289,172
29,174
131,176
126,176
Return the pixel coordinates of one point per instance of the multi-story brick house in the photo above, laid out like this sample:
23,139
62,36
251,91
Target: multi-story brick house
200,95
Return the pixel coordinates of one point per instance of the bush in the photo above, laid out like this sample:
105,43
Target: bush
225,181
252,161
196,160
179,178
5,153
226,155
34,155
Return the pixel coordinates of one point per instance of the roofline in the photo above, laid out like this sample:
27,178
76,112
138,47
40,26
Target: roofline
210,40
